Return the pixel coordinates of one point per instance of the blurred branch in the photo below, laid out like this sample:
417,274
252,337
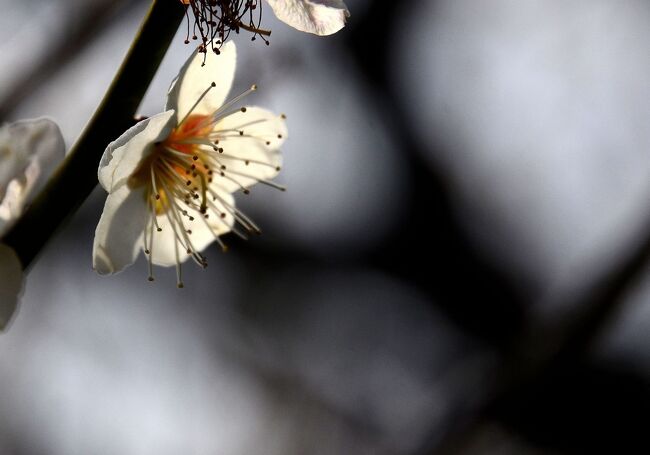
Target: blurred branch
542,349
430,232
79,31
77,175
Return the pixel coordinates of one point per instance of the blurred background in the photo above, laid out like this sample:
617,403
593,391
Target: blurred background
457,266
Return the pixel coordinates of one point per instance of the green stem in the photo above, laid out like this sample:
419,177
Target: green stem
76,177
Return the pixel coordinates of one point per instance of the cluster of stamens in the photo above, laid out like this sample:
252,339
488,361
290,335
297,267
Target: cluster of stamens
215,20
182,177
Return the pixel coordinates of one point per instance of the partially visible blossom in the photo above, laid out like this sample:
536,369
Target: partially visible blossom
215,19
29,151
170,178
320,17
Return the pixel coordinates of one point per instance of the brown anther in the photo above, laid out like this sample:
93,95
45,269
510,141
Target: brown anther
215,20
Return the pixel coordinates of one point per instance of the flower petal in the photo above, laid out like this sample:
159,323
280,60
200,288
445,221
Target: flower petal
123,156
29,152
321,17
120,229
263,134
11,284
26,141
203,233
195,78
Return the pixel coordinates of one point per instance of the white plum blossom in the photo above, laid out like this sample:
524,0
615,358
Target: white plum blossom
170,178
29,152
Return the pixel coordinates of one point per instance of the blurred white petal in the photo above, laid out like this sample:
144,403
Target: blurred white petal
29,152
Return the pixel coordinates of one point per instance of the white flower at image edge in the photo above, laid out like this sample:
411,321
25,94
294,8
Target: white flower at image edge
321,17
170,178
29,152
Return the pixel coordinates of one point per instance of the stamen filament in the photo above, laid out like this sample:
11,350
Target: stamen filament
213,85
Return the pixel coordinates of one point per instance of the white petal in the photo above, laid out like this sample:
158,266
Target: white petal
264,133
11,284
29,151
120,229
195,78
203,233
321,17
25,141
16,195
123,156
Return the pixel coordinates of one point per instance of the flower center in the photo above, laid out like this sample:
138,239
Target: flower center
178,179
